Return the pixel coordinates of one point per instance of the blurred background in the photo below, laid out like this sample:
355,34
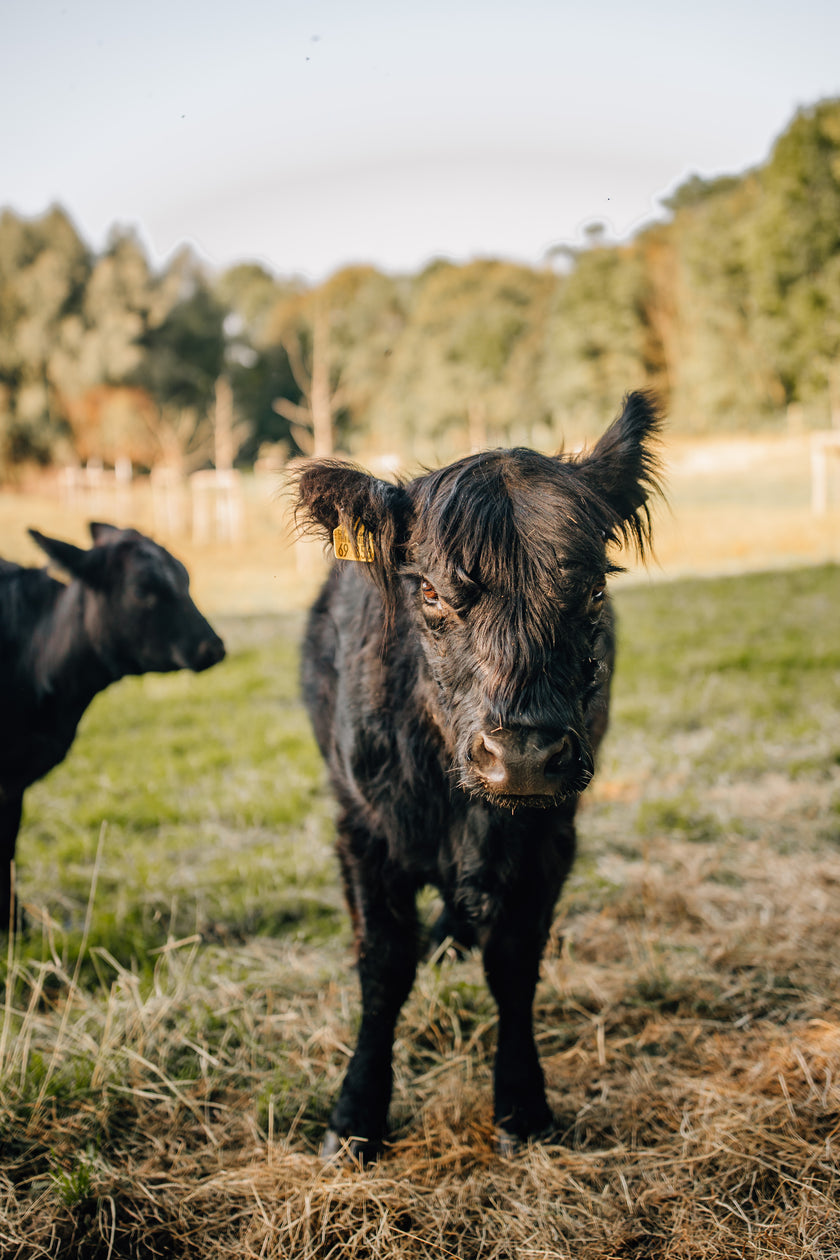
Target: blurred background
234,237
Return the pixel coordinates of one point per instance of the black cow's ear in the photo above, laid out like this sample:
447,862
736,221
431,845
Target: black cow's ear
623,468
102,533
87,566
68,557
375,516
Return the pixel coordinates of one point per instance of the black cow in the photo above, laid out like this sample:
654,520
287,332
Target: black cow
458,699
126,610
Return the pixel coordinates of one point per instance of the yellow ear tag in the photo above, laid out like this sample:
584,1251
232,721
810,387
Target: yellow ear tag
359,546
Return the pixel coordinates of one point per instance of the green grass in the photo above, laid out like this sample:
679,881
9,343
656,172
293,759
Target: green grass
724,686
754,661
208,793
209,796
178,1017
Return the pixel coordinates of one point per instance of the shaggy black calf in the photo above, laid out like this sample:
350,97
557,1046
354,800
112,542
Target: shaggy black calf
459,699
127,610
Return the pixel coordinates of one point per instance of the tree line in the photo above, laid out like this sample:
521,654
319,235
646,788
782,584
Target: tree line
729,307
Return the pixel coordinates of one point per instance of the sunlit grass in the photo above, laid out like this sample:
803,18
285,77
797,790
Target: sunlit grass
210,791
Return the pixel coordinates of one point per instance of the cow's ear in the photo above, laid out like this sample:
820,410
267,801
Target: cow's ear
373,517
88,566
102,533
623,468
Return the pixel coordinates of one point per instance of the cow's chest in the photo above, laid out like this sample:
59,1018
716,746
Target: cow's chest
33,740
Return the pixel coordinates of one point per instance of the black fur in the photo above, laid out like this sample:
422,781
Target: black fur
459,699
126,610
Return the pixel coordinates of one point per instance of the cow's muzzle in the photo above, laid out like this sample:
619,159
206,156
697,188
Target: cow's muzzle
208,652
529,765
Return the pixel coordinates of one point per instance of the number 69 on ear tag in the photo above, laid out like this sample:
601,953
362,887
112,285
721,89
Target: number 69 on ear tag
358,546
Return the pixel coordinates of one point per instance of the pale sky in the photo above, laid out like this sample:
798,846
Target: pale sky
307,134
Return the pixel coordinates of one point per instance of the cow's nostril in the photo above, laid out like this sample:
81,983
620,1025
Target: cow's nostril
209,652
488,757
558,759
556,764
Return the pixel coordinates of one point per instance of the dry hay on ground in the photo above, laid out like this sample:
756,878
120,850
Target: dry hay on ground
721,1150
691,1044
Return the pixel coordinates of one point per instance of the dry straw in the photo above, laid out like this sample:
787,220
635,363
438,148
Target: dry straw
691,1044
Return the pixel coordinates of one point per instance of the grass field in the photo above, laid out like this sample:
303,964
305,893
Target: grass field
180,1013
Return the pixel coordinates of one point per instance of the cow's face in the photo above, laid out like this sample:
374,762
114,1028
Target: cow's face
501,561
510,600
506,578
139,615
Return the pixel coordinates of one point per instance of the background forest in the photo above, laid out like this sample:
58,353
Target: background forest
729,307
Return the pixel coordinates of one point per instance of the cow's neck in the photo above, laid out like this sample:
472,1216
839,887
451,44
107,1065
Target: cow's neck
66,663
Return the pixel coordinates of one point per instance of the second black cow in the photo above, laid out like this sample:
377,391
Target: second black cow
459,698
126,610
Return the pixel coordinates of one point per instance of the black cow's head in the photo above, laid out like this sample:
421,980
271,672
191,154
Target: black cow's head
138,614
501,559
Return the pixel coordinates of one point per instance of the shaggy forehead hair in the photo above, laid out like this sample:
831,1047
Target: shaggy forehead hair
519,538
516,523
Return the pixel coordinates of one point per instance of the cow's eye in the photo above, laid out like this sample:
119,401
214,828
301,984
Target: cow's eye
149,594
596,598
430,595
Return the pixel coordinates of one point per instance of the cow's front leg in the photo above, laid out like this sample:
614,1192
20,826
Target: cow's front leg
512,946
512,955
10,815
386,923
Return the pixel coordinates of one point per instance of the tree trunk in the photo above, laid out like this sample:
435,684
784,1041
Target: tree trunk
223,427
320,399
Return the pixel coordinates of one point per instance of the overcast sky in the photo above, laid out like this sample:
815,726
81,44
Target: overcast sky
314,133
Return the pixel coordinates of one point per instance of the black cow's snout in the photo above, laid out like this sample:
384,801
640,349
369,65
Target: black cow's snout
527,762
209,652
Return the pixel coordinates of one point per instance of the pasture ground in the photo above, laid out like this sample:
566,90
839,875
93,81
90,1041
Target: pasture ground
179,1015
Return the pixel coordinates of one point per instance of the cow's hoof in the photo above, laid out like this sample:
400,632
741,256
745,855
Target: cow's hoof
347,1150
510,1144
507,1144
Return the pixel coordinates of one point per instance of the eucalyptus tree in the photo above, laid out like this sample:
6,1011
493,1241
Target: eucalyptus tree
794,254
337,338
462,372
44,268
598,340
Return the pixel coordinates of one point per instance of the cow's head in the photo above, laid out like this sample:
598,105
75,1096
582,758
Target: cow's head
501,560
138,613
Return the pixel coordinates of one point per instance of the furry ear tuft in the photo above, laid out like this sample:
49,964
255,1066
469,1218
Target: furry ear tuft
87,566
102,533
332,493
624,469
